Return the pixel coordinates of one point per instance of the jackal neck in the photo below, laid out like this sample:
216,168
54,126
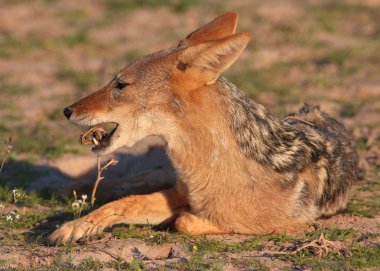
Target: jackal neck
260,135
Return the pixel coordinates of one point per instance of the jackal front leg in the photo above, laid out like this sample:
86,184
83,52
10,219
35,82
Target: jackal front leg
156,208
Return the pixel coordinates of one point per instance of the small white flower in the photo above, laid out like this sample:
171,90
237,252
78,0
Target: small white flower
2,206
9,218
84,197
14,191
17,216
75,204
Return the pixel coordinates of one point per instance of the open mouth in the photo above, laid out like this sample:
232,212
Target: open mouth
98,137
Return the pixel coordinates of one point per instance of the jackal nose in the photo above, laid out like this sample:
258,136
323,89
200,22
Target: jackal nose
67,112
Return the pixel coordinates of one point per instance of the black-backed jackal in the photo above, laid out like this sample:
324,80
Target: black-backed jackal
240,169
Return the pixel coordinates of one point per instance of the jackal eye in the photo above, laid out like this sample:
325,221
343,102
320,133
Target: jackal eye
120,84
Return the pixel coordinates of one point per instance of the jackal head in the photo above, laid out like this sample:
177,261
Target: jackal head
150,96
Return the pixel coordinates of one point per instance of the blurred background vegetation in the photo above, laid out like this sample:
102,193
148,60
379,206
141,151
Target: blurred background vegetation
53,52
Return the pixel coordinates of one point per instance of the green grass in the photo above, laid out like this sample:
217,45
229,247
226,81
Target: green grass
132,55
336,58
362,257
205,245
329,16
13,89
77,38
81,79
15,46
23,175
333,234
41,140
147,234
254,82
132,231
34,197
366,207
119,6
207,253
350,110
362,203
26,221
12,45
90,264
74,17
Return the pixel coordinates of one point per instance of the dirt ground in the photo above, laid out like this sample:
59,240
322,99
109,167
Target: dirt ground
52,52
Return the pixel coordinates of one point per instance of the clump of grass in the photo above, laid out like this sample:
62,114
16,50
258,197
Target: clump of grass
42,140
82,79
203,245
367,207
350,110
362,204
11,220
136,265
132,231
90,264
362,143
74,17
331,13
338,58
361,257
147,234
333,234
118,6
12,196
132,55
11,45
26,221
14,89
75,39
55,115
254,82
22,173
18,196
34,198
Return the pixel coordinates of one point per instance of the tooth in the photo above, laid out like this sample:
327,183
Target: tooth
95,141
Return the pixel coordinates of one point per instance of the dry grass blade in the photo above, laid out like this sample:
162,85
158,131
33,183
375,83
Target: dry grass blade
321,247
7,153
110,162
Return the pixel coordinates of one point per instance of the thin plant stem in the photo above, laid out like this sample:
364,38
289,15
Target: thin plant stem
7,153
110,162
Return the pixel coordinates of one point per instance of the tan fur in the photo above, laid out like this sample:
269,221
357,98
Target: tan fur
176,94
152,209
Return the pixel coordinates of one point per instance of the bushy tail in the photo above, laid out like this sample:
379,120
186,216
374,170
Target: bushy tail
340,161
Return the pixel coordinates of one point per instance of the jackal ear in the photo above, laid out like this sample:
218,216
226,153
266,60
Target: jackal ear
206,61
220,27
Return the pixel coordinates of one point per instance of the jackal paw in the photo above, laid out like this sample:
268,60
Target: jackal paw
75,230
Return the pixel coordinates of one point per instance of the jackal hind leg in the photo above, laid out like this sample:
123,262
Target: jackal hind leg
154,209
195,225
